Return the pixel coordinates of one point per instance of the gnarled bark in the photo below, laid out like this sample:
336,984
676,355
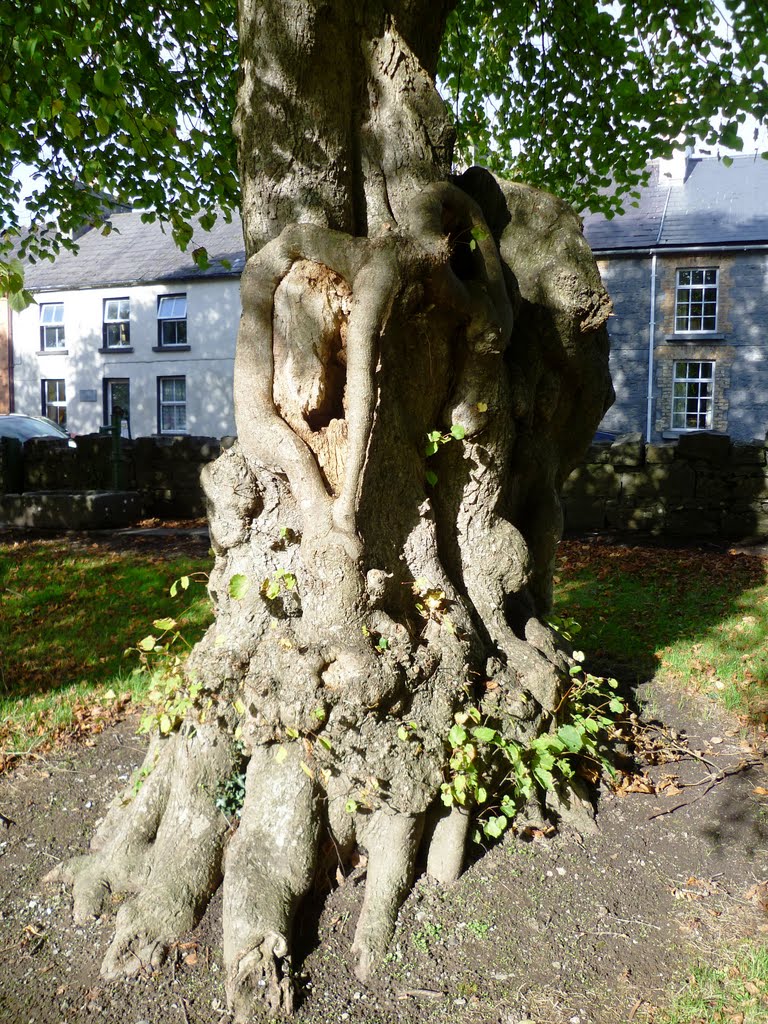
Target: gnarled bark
382,302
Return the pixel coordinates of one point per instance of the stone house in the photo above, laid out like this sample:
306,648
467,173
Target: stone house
687,269
130,322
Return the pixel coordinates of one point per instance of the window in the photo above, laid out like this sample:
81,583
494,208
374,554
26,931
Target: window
692,396
117,327
117,396
172,404
51,326
172,321
696,309
54,404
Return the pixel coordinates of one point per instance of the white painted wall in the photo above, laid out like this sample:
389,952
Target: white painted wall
213,311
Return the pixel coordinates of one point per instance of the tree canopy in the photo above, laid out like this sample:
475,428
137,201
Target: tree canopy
135,100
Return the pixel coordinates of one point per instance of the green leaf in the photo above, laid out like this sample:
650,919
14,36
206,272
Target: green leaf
165,724
495,827
544,777
571,737
457,735
148,643
484,734
402,732
458,432
182,582
164,624
239,585
430,477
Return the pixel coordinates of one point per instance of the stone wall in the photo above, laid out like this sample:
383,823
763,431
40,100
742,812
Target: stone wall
165,471
700,486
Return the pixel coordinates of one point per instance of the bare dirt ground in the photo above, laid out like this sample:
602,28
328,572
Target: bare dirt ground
553,930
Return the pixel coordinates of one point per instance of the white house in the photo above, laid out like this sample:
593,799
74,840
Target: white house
131,321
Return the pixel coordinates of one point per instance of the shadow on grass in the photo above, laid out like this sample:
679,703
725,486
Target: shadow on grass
691,616
70,609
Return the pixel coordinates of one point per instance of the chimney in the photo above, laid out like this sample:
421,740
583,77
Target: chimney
674,170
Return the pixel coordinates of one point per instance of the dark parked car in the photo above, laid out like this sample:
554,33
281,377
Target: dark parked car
25,428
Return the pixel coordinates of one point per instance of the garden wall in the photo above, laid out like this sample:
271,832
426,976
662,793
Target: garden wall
700,486
162,473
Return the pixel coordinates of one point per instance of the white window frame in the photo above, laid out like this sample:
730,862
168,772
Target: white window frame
54,408
52,326
164,403
109,384
117,316
172,321
696,300
696,397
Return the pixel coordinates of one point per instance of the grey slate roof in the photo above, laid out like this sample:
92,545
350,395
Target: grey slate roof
136,253
715,205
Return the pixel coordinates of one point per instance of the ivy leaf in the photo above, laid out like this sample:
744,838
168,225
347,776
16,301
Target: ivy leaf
164,624
458,432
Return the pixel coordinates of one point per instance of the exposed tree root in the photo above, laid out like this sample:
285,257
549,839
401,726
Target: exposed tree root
161,845
269,867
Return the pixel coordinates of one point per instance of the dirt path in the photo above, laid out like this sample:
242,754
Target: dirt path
552,930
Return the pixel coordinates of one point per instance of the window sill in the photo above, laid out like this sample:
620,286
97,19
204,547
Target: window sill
171,348
127,349
693,336
673,433
53,352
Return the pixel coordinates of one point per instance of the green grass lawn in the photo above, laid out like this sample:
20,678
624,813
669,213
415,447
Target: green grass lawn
699,619
68,612
732,992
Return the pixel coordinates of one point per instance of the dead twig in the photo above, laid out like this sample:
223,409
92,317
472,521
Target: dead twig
420,993
710,781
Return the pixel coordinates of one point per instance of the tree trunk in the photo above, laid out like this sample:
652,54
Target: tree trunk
365,591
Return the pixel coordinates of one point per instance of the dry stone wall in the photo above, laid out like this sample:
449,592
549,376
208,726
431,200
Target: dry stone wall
163,471
698,487
702,486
